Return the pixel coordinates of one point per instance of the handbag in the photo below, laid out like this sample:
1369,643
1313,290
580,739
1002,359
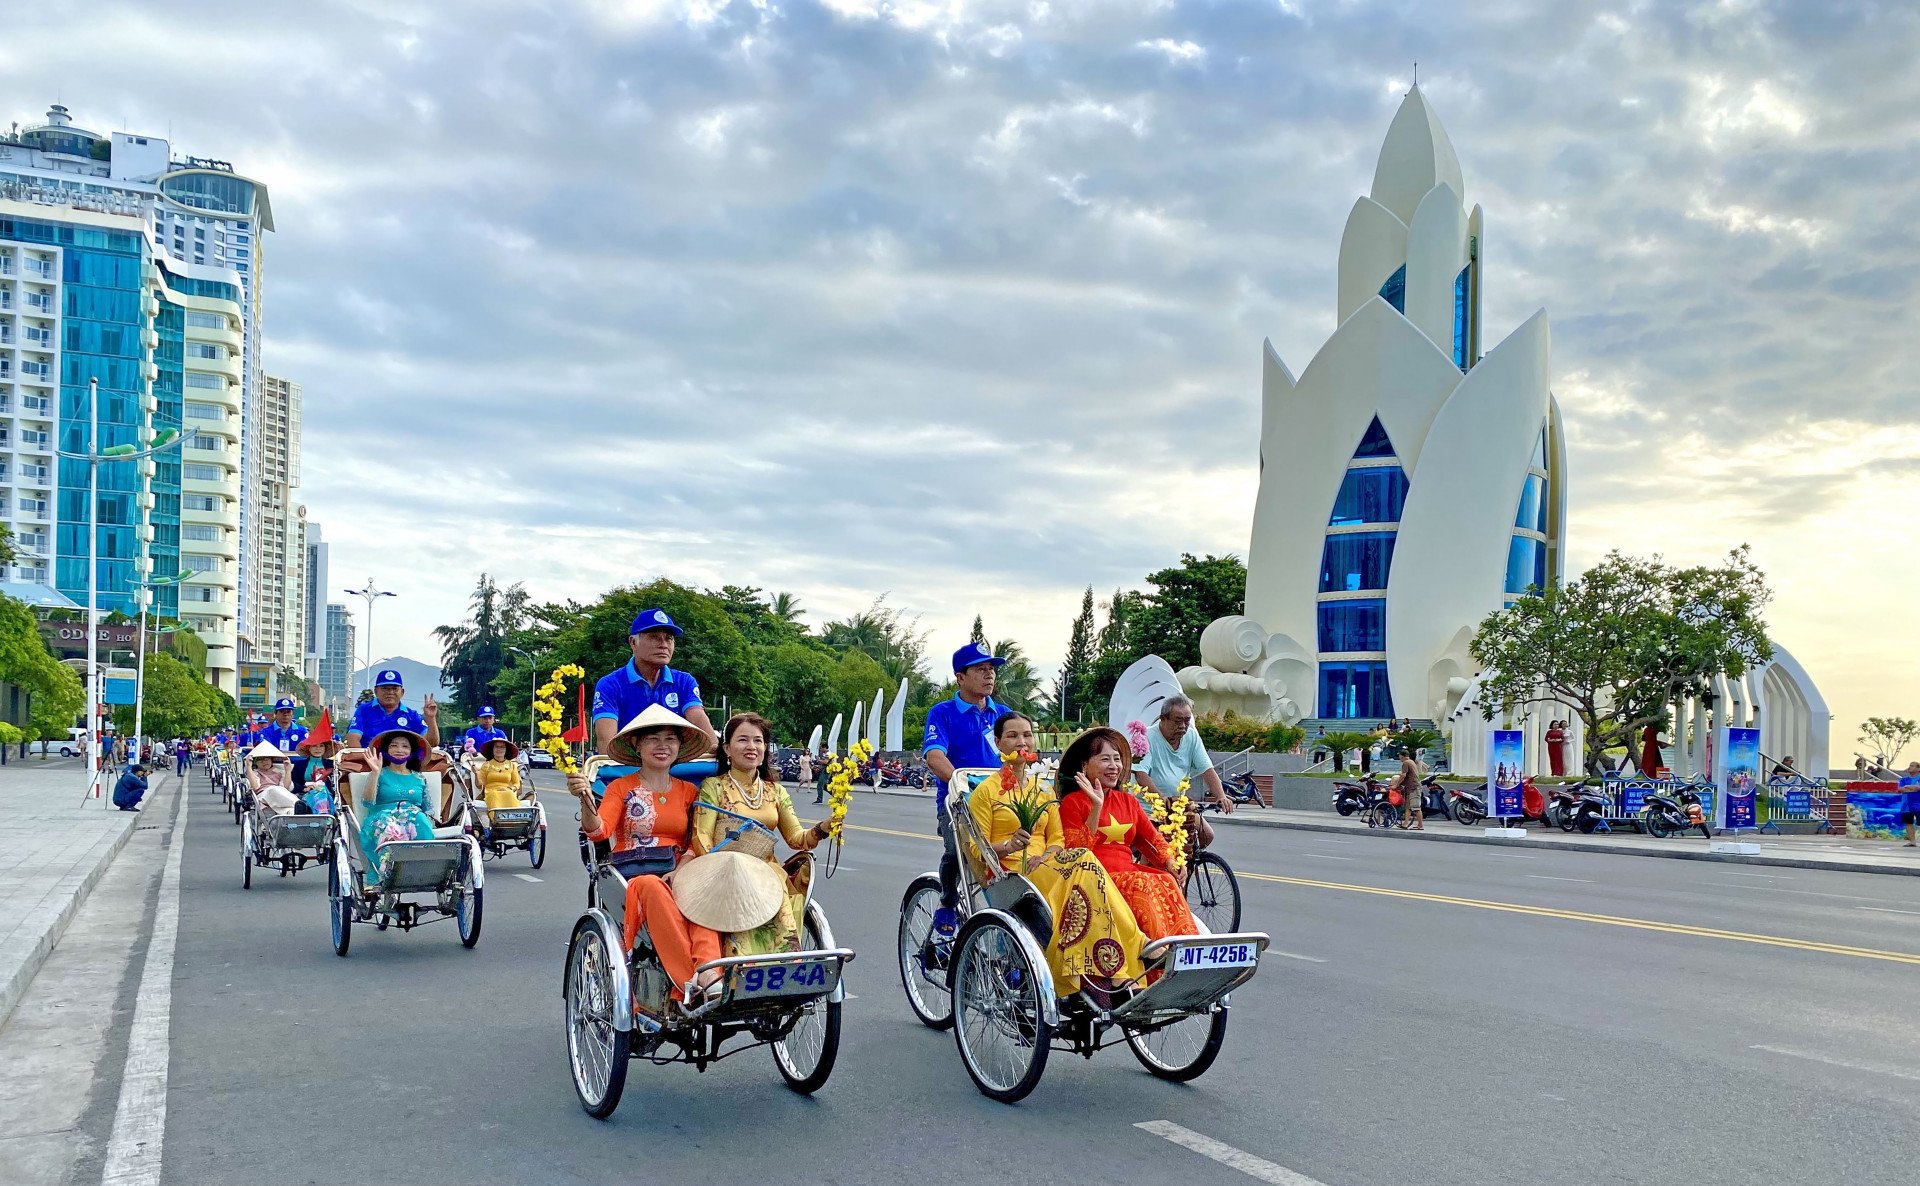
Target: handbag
1395,798
642,860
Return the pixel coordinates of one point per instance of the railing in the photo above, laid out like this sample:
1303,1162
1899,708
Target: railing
1227,768
1796,800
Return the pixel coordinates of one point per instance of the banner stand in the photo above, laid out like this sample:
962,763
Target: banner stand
1506,779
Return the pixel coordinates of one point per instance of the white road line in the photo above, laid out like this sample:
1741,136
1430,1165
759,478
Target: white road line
1327,856
1836,1062
526,877
1544,877
1886,910
1312,959
1760,876
1327,840
1254,1167
140,1117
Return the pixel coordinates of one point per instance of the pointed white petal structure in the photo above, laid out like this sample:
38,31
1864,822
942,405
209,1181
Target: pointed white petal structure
813,740
833,738
1416,156
873,719
896,736
853,726
1373,245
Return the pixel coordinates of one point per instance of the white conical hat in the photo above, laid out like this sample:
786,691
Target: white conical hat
266,749
728,891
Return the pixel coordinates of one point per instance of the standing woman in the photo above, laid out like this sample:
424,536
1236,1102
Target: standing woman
1557,748
1098,814
396,799
746,786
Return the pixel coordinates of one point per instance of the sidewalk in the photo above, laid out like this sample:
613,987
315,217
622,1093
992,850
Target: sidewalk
53,849
1835,853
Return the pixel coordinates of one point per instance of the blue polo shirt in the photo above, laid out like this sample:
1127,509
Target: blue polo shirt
370,721
480,737
965,734
624,694
287,739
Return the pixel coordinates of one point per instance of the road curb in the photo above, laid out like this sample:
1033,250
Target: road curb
1840,865
21,978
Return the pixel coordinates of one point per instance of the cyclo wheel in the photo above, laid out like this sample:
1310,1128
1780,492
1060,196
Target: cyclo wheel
467,914
999,1019
1213,894
246,856
1183,1050
341,907
537,847
596,1051
927,994
806,1055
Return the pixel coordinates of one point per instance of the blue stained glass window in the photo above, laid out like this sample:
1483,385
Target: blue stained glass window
1395,289
1460,318
1375,442
1356,561
1526,564
1370,496
1355,691
1532,515
1353,625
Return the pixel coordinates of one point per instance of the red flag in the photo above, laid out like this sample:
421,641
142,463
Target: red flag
578,733
322,732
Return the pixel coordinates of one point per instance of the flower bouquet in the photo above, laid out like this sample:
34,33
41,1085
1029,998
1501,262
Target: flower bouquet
1025,798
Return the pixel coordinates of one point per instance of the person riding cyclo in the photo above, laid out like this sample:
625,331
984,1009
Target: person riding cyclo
497,778
270,779
651,809
645,680
287,736
1176,756
474,740
1096,942
316,792
1098,813
401,798
959,736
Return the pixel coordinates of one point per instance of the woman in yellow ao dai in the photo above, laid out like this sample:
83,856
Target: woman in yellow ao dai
748,786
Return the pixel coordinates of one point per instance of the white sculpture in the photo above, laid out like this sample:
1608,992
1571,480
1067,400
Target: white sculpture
897,721
853,726
833,738
813,741
873,719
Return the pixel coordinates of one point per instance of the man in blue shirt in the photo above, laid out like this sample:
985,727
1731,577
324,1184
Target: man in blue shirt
387,712
480,734
646,680
959,736
286,736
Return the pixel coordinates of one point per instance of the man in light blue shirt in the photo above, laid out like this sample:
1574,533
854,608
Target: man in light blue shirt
1175,752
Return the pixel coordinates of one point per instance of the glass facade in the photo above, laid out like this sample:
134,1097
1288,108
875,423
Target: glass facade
1375,442
1460,318
1355,690
1370,496
1532,515
1526,564
1358,625
1395,289
219,193
1356,561
170,325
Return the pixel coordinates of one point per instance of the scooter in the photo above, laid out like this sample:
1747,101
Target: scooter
1469,805
1665,815
1581,806
1434,799
1351,797
1241,790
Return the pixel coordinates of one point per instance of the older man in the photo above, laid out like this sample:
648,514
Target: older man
1175,753
482,733
388,712
647,679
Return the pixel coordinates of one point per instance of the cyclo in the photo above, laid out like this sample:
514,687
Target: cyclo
621,1009
992,976
501,830
420,881
275,837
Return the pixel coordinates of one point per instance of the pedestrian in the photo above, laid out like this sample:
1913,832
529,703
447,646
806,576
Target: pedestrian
820,776
180,755
1557,748
1408,784
1910,808
131,788
804,774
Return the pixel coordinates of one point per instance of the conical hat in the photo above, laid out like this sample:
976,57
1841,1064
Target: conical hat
728,891
266,749
485,748
694,742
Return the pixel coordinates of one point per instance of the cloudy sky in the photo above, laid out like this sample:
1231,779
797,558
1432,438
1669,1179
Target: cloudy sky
963,302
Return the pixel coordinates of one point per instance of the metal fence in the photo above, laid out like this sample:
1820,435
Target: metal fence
1795,800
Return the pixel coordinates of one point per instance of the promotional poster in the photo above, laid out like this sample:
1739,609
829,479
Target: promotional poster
1739,759
1506,756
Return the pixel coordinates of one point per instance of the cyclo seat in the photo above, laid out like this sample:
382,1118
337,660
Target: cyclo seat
1001,889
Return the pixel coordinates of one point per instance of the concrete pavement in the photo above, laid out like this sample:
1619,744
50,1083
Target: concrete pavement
1429,1013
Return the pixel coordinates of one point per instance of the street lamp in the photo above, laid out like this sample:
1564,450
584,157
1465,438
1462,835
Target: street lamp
94,456
533,697
140,667
370,594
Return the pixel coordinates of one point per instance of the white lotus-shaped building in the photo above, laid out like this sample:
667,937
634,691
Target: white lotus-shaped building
1410,483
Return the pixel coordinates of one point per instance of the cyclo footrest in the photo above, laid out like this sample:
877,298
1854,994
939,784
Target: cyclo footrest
1196,971
751,981
415,865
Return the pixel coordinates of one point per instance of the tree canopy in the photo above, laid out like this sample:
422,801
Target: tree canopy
473,652
1623,642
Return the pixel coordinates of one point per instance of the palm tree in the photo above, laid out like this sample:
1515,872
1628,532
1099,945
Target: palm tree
473,652
786,607
1018,686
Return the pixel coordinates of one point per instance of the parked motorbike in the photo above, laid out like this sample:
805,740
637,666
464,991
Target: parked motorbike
1581,806
1351,797
1242,791
1665,814
1434,798
1468,805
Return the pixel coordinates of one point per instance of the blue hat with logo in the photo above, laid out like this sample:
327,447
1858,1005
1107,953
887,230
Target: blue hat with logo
486,710
653,619
283,705
389,678
973,655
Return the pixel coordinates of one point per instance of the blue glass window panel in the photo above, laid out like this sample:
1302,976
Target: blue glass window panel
1532,515
1460,318
1526,564
1356,561
1353,625
1540,451
1370,496
1375,442
1395,289
1355,691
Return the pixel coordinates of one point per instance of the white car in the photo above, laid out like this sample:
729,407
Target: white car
540,758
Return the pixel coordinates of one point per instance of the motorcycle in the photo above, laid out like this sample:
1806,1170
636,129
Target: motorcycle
1469,805
1580,806
1351,797
1241,790
1668,814
1434,798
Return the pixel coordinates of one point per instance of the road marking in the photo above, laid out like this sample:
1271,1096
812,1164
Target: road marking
1544,877
1239,1159
526,877
1327,856
1328,840
1886,910
1312,959
140,1117
1836,1062
891,832
1610,920
1760,876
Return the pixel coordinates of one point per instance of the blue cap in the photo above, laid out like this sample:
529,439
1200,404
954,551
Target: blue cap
973,655
486,710
653,619
282,704
389,677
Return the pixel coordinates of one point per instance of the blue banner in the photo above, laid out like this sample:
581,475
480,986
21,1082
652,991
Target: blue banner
1799,803
1633,798
1506,757
1740,777
118,691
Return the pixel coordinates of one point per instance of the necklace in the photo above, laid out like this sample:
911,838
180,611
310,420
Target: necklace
660,797
754,798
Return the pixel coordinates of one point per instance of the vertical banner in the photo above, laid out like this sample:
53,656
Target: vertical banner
1506,757
1739,761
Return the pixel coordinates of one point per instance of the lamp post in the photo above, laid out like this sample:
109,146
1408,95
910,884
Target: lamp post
94,456
140,664
370,594
533,695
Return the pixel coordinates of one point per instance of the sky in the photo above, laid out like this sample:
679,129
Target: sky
962,303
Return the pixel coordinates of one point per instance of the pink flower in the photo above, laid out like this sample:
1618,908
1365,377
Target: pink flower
1137,738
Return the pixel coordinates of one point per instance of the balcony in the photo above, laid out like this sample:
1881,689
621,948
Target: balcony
41,301
6,265
36,372
37,336
36,403
35,475
42,268
38,441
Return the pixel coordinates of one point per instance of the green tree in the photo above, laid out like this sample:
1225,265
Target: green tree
804,689
856,678
473,652
1620,644
1887,736
756,618
6,546
173,699
1184,600
786,607
1112,653
225,711
979,635
713,650
1073,690
55,697
1342,743
1414,739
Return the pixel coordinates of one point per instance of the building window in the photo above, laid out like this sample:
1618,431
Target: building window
202,473
1351,691
1532,515
1526,564
1460,318
1356,561
205,412
199,502
1375,442
1359,625
202,531
203,380
204,350
1395,289
1370,496
207,321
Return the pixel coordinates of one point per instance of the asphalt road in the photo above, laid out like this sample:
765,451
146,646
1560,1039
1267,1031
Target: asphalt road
1429,1014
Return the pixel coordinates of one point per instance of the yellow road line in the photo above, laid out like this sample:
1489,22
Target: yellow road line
1610,920
890,832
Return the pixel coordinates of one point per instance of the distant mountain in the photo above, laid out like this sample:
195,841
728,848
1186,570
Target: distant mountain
420,678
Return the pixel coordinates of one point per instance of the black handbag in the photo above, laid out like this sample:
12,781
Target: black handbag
655,859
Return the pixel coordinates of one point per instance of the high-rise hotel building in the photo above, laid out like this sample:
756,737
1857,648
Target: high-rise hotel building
279,626
122,264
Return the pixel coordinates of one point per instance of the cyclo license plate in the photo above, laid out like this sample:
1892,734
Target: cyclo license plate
780,980
1215,955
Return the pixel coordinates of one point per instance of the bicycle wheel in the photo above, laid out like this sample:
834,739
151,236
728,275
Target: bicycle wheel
924,961
596,1050
1213,894
1183,1050
805,1056
1001,1029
